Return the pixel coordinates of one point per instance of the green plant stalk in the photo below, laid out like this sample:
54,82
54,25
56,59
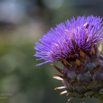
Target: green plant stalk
100,99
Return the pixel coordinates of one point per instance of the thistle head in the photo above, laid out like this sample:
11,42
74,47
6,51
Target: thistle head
74,44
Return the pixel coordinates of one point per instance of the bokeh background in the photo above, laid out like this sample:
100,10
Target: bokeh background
22,23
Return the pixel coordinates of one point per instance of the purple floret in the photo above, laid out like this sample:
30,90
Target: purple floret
67,38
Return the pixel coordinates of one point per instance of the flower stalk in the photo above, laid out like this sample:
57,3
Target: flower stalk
100,99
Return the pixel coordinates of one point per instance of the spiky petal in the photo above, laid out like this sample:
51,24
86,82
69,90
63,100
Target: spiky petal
63,92
68,38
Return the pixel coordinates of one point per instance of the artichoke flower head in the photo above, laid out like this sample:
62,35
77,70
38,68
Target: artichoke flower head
74,44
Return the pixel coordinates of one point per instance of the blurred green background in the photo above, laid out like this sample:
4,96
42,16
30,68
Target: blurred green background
22,23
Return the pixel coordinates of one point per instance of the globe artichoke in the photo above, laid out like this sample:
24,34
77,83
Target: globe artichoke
74,44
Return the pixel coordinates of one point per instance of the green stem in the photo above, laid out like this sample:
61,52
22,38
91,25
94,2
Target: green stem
100,99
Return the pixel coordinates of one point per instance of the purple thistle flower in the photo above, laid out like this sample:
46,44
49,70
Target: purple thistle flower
74,44
68,38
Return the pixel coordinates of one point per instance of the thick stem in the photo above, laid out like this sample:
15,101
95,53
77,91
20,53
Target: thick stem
100,99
